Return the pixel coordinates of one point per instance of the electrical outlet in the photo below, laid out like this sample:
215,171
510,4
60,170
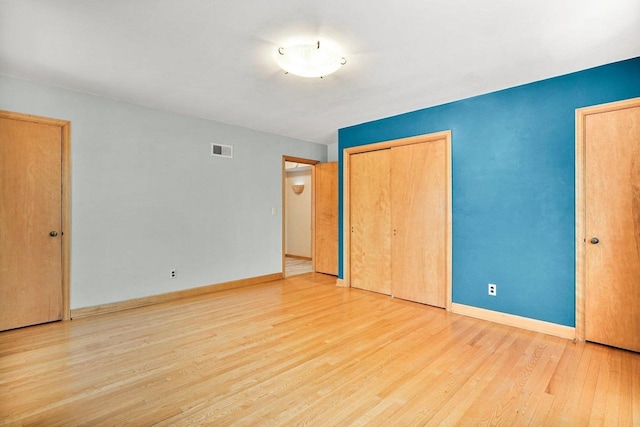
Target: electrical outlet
173,273
493,289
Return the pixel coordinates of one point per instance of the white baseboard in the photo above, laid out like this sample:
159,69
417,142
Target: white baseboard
517,321
78,313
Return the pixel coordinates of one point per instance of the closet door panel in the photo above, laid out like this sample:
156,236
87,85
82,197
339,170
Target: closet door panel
370,217
419,221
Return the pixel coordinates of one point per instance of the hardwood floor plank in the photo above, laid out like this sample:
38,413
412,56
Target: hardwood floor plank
598,409
491,398
625,408
294,266
634,375
301,351
563,384
473,392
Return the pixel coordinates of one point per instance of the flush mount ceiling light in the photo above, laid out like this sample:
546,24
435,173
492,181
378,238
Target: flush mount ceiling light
310,60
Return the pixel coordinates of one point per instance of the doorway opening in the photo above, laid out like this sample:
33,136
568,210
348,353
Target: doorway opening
297,215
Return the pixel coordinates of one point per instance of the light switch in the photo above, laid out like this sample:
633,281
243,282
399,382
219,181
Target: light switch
274,211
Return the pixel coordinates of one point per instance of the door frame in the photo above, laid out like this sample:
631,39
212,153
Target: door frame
346,219
283,208
65,234
580,207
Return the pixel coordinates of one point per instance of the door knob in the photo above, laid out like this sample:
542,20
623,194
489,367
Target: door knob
53,234
595,240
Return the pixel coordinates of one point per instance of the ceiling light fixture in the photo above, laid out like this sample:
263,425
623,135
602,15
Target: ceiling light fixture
310,60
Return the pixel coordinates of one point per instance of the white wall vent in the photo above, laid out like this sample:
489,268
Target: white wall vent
219,150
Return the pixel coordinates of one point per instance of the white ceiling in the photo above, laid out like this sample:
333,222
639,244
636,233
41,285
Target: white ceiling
215,58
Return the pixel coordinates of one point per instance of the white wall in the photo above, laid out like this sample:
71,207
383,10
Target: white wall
298,216
147,197
332,152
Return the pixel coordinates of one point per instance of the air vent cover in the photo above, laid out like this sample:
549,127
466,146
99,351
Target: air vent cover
219,150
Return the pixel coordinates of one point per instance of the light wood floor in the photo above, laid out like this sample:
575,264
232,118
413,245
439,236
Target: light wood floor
296,266
303,351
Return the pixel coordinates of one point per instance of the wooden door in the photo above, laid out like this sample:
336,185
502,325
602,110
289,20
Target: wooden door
419,222
612,216
30,223
370,220
326,215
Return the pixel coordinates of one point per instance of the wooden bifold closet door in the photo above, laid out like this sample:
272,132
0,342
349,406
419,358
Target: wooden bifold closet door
418,212
398,206
370,200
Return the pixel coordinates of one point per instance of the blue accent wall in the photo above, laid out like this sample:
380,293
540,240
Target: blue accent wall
513,164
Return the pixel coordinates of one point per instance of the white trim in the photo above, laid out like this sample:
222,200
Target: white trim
517,321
